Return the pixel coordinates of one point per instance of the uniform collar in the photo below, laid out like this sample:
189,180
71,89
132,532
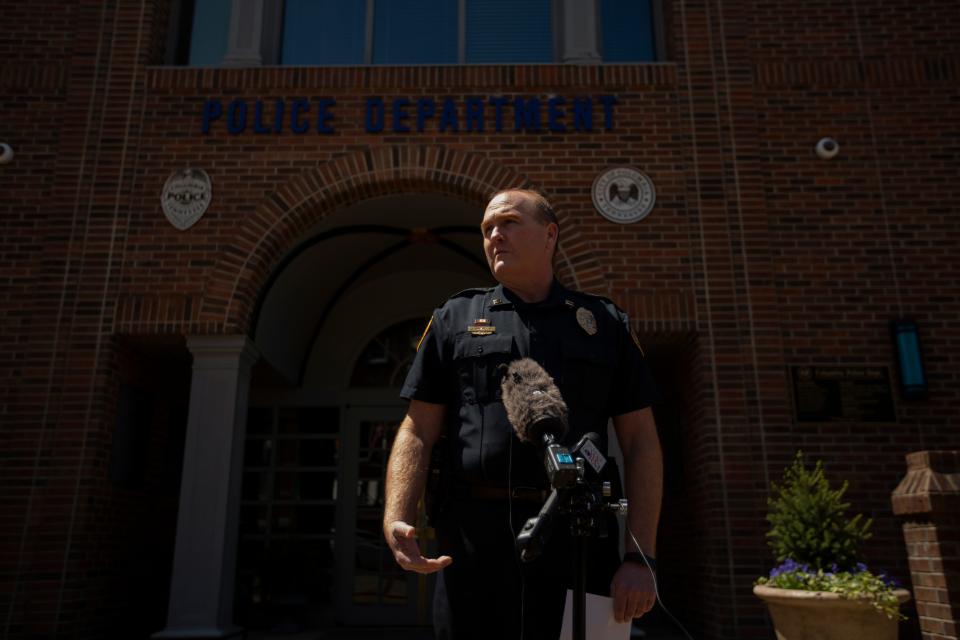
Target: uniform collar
503,298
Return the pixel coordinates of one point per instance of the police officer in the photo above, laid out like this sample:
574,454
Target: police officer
493,482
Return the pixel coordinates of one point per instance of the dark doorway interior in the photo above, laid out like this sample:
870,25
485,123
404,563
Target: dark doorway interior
285,567
675,557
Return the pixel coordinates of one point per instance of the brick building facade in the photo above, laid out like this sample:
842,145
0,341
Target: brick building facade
757,258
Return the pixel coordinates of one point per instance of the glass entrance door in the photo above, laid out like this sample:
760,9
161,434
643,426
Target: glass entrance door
374,589
288,519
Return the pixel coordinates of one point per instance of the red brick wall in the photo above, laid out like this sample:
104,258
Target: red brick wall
768,255
865,237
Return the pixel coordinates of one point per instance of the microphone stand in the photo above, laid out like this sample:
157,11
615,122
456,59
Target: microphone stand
582,505
582,525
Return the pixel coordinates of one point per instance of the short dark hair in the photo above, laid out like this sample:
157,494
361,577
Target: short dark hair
542,208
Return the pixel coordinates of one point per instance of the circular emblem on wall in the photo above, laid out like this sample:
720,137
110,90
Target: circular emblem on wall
186,195
623,195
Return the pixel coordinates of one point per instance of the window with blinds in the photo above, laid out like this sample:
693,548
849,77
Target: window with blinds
211,27
415,32
399,31
626,31
503,31
323,32
412,32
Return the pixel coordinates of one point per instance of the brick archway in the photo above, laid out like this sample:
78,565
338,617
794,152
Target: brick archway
287,214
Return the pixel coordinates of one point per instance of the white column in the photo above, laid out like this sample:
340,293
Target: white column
204,562
245,42
580,32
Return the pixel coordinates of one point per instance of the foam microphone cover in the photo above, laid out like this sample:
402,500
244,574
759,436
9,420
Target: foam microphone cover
533,402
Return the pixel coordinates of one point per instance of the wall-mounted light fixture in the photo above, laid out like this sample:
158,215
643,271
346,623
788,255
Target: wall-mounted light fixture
906,340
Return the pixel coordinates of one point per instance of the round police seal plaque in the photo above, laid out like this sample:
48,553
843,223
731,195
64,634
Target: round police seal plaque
623,195
186,195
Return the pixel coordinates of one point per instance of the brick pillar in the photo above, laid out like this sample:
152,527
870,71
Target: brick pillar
928,499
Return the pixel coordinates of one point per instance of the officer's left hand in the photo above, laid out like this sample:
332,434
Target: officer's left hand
633,591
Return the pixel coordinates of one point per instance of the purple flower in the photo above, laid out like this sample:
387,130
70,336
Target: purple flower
789,566
890,581
861,567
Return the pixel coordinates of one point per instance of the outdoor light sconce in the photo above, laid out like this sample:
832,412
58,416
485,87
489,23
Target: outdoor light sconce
913,381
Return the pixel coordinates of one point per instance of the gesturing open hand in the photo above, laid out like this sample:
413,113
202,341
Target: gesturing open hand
402,539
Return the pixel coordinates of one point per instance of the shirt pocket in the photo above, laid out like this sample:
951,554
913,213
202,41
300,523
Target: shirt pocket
477,361
586,375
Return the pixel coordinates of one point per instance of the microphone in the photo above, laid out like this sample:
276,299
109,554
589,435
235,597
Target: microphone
538,414
588,449
534,405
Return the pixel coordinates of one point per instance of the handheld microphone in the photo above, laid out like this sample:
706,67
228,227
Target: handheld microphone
589,450
538,414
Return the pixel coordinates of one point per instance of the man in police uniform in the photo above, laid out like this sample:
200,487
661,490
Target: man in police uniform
495,482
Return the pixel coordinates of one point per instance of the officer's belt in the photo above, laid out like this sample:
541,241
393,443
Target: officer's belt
523,494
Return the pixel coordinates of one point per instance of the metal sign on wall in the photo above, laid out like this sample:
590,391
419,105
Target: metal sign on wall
623,195
842,394
185,197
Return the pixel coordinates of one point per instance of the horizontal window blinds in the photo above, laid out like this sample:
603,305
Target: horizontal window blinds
415,32
211,28
319,32
627,31
507,31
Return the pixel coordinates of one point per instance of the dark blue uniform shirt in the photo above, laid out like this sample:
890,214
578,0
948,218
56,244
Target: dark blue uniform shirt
583,341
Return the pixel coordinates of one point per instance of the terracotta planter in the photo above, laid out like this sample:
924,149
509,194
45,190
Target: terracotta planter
820,615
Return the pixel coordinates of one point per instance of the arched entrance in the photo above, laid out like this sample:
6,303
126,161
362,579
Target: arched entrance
324,268
336,326
377,236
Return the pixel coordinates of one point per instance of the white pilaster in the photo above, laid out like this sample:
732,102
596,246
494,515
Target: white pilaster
579,32
245,42
204,563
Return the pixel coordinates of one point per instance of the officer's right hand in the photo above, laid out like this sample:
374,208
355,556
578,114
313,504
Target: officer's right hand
402,539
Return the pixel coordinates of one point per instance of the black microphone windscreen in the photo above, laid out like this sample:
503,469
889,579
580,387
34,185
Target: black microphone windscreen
533,402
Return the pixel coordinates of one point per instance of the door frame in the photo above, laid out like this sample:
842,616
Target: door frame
417,610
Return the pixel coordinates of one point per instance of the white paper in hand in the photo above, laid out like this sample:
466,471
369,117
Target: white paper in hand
600,623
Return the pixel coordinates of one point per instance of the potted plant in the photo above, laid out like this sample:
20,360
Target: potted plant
821,589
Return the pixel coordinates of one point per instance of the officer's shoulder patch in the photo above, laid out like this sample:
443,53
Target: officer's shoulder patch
425,332
636,341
